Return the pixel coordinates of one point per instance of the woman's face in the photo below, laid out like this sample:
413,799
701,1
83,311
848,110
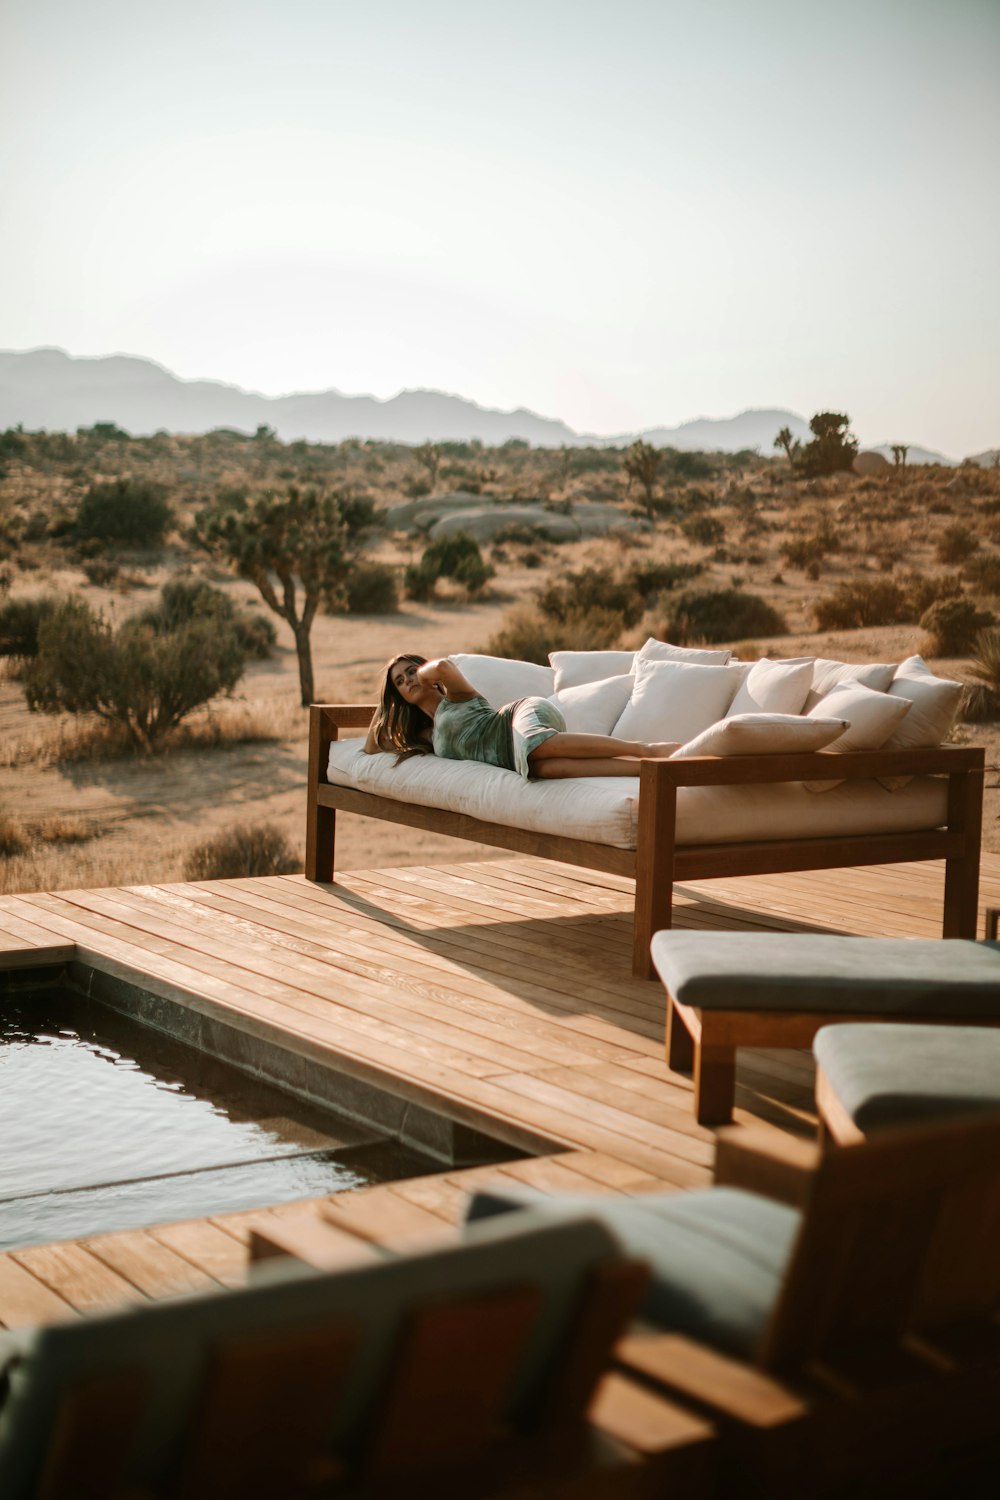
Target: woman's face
403,676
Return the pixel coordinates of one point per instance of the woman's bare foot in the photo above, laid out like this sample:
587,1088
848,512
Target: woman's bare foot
661,750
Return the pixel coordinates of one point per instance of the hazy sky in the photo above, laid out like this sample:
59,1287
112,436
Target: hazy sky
624,213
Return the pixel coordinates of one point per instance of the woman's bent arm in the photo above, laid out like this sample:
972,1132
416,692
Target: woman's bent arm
444,674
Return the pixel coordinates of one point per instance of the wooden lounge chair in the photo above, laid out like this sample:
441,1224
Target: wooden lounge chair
884,1076
460,1371
730,990
845,1336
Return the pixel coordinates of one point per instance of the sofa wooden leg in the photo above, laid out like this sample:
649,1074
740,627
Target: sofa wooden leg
680,1043
320,843
961,871
714,1084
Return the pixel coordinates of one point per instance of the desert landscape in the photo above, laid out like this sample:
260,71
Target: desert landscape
861,567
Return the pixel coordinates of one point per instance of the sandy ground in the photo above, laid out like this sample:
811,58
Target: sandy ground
135,820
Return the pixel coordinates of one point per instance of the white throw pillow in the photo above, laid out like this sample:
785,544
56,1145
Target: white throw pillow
827,674
774,687
871,716
594,707
655,650
574,667
675,700
501,681
934,704
763,734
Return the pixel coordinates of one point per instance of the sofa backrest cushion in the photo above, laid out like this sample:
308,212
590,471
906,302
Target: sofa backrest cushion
871,716
827,674
572,668
774,687
763,734
594,707
655,650
501,681
675,700
934,703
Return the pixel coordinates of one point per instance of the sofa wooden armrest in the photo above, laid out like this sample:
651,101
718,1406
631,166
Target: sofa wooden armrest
657,861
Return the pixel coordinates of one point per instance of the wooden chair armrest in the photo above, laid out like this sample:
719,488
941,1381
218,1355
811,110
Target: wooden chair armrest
765,1161
817,765
715,1382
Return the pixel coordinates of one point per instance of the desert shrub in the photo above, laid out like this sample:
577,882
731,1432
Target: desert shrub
983,572
923,591
952,626
139,678
599,591
526,633
248,849
719,615
704,531
650,579
864,601
956,543
101,572
183,601
457,557
809,552
20,622
13,839
132,512
372,588
981,699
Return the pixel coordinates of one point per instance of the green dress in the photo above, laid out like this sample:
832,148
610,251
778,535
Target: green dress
470,729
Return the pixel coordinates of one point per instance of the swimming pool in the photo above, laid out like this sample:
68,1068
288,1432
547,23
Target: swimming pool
108,1124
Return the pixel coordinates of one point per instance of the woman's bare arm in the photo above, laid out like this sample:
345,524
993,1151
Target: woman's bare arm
444,674
372,745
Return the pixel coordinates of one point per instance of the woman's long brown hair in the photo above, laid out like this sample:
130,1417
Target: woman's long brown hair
399,725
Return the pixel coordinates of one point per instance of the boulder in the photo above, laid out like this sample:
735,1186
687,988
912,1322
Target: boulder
483,522
870,464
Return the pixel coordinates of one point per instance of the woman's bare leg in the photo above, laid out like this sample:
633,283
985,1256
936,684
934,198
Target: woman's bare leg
567,746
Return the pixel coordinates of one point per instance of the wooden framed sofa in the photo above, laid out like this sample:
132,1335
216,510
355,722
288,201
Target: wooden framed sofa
656,851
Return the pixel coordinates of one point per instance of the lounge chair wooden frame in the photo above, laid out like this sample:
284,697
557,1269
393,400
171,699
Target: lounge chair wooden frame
658,862
882,1354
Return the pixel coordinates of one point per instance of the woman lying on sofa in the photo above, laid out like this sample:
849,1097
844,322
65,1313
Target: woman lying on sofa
430,708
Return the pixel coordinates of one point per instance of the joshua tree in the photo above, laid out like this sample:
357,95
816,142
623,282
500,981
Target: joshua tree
642,462
899,452
429,454
784,439
301,540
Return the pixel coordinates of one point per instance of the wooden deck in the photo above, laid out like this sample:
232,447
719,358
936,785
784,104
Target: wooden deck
497,993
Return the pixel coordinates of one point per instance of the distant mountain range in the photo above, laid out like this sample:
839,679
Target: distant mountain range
52,390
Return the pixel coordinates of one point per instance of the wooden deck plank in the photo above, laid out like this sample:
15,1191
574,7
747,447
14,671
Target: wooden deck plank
25,1300
79,1277
148,1264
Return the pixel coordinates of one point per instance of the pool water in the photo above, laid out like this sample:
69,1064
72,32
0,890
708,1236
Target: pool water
106,1124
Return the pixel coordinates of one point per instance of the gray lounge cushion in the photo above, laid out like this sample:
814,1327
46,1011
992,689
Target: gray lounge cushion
864,976
717,1256
886,1075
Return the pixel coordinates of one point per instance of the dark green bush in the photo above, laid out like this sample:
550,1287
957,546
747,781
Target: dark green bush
923,591
528,634
139,677
457,557
101,572
183,601
372,588
249,849
129,512
20,622
875,601
953,626
591,589
719,615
